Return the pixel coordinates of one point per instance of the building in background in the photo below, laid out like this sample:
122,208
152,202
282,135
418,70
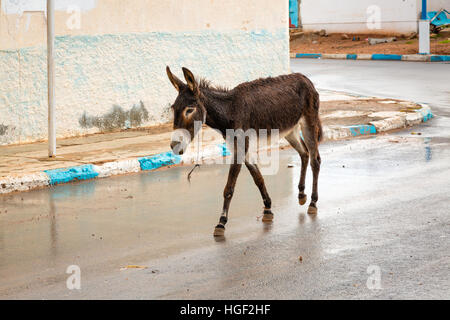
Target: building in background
353,16
110,58
294,17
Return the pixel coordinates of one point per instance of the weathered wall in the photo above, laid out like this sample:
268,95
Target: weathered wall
110,69
352,15
436,5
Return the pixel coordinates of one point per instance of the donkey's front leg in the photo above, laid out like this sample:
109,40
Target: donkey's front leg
259,181
227,195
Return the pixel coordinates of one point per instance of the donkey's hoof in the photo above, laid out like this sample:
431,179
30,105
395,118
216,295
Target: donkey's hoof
312,210
302,199
267,216
219,231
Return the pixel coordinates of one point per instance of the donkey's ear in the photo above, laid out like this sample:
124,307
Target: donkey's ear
177,83
190,80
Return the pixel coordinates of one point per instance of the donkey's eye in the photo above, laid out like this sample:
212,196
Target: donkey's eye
188,111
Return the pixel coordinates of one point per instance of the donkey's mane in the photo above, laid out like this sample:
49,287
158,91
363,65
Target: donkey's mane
206,84
250,85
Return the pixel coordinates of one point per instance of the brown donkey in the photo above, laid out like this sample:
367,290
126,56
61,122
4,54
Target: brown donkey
289,103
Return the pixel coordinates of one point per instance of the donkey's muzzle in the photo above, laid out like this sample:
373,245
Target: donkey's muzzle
177,147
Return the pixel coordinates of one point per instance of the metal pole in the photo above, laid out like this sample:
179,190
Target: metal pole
51,78
299,14
424,30
424,10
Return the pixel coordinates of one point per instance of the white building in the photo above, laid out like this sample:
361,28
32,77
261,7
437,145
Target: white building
361,16
110,58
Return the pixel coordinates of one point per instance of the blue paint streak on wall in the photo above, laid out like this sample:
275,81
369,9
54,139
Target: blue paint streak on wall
439,58
358,130
159,160
386,57
351,56
223,147
293,12
308,55
65,175
123,77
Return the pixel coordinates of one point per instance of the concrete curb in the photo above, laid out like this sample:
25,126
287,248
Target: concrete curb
151,163
398,57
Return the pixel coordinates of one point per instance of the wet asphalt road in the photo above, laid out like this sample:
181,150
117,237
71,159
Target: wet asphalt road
383,204
413,81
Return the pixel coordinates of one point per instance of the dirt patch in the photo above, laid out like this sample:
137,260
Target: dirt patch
117,118
352,112
334,43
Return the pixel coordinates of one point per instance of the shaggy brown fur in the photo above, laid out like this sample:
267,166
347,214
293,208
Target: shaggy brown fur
287,103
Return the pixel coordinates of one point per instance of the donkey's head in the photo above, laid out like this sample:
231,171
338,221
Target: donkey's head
187,108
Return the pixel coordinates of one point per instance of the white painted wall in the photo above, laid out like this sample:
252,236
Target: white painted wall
436,5
396,16
117,58
21,6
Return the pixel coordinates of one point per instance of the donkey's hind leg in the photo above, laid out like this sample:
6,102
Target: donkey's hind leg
311,138
296,142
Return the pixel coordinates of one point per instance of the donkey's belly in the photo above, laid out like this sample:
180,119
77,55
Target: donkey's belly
281,121
273,136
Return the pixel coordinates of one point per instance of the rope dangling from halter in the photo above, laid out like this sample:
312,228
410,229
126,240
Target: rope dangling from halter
197,161
198,151
190,172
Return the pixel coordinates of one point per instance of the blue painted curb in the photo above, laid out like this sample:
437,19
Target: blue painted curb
377,56
358,130
65,175
223,147
308,55
386,57
159,160
426,114
439,58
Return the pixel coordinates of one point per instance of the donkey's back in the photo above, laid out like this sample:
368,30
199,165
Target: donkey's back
274,102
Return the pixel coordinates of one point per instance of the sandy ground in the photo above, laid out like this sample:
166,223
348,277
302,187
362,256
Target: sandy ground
333,43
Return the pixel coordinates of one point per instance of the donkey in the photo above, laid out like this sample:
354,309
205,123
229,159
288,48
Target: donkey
289,103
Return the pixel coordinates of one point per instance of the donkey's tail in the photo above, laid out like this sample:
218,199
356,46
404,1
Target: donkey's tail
319,129
319,123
